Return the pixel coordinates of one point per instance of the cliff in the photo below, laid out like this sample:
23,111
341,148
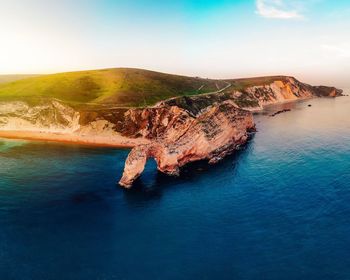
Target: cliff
253,94
174,131
181,138
203,127
51,115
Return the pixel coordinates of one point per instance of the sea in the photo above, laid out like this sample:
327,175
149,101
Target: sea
279,208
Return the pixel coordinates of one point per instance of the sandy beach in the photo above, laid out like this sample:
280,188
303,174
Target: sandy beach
117,141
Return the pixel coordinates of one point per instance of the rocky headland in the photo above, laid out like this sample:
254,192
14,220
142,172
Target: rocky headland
181,136
174,131
204,127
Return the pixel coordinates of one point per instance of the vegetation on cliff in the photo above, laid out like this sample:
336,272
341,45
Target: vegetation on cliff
120,87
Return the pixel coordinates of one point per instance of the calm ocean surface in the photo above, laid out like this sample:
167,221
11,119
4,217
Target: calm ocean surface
279,209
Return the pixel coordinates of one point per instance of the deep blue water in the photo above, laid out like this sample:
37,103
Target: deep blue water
279,209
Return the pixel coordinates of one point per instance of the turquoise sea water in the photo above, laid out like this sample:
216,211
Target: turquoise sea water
279,209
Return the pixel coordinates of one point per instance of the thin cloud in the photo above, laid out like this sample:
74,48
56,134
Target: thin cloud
276,9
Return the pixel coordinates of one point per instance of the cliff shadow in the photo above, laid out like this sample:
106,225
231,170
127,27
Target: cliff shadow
152,184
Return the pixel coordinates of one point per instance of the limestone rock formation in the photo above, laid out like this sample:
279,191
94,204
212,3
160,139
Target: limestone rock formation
254,97
204,127
174,131
47,116
182,137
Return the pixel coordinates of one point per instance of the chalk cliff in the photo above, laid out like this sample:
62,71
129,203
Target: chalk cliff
213,133
174,131
254,97
49,116
204,127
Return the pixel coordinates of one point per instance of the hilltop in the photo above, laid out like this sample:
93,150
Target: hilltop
15,77
122,87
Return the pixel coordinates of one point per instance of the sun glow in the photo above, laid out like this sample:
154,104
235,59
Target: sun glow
215,39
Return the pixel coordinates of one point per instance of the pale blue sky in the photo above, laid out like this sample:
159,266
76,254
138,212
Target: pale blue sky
209,38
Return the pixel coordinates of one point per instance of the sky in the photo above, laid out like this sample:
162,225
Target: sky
308,39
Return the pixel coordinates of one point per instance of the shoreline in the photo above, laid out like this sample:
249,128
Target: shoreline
115,141
268,106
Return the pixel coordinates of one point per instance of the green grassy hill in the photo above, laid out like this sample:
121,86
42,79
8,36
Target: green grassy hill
122,87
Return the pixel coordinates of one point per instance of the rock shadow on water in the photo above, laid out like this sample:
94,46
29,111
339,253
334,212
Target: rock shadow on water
146,188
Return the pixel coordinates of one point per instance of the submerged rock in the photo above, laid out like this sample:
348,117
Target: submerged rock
280,112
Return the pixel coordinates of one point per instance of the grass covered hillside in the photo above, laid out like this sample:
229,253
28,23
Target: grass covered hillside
122,87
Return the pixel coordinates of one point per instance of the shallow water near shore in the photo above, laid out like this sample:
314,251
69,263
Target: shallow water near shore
277,209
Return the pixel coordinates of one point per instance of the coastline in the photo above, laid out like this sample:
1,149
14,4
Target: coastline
280,102
115,141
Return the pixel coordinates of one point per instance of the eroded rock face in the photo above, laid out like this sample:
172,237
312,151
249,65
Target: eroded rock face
203,127
213,133
179,130
50,116
255,97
